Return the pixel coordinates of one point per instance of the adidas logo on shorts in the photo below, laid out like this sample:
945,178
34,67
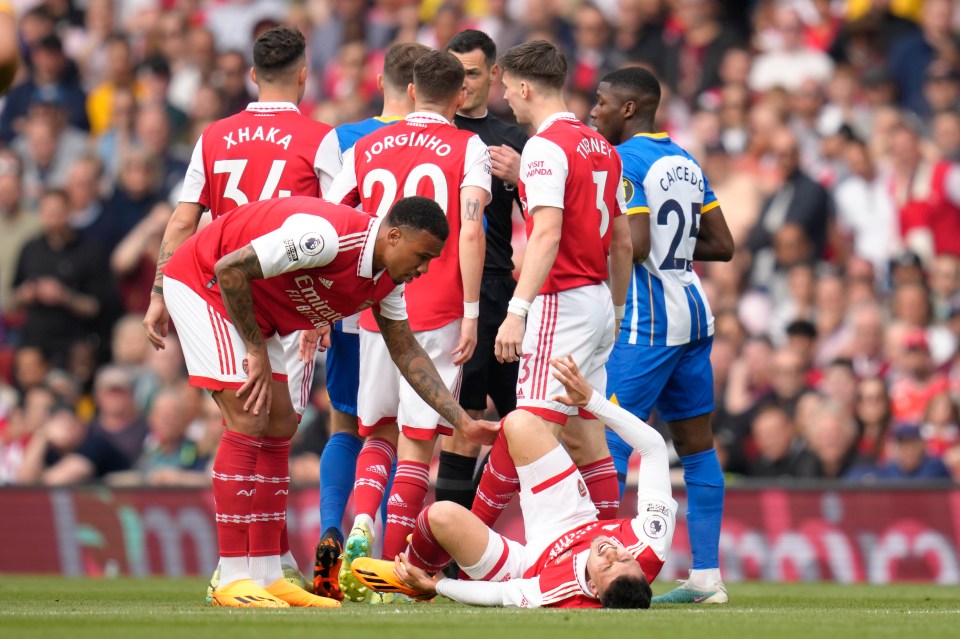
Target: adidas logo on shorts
378,470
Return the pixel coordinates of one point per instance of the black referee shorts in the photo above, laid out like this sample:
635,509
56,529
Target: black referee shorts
483,375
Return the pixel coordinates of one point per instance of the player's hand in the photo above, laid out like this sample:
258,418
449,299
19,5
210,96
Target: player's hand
414,577
578,389
313,340
505,163
157,322
508,347
480,431
259,384
468,342
51,291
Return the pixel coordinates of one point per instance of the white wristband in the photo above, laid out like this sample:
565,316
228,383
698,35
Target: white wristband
619,311
471,310
518,306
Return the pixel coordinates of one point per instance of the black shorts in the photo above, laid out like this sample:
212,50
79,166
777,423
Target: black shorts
483,375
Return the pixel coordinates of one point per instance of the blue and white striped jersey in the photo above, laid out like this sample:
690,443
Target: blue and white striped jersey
666,305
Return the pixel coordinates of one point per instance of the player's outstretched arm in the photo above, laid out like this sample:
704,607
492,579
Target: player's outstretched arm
538,259
714,241
182,224
235,271
655,469
418,369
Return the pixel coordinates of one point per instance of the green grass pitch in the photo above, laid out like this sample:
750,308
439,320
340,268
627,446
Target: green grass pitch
54,607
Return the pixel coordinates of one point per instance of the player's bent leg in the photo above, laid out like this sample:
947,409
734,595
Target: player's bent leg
458,463
585,440
409,490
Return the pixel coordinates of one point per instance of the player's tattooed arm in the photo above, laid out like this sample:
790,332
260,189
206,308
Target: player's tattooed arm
234,273
418,369
182,224
471,211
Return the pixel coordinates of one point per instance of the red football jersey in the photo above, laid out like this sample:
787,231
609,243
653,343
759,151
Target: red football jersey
571,167
421,155
268,150
561,571
316,257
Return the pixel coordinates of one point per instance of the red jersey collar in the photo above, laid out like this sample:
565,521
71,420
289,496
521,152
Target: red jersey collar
427,116
272,107
563,115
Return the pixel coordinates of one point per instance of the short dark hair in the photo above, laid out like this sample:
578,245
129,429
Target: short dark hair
399,61
438,76
419,213
471,40
537,61
277,52
60,194
637,82
627,592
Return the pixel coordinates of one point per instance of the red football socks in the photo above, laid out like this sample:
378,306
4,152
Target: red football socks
498,483
601,479
234,485
404,504
373,472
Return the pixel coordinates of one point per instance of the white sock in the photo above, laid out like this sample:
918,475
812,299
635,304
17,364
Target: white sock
287,560
363,519
265,570
233,569
705,578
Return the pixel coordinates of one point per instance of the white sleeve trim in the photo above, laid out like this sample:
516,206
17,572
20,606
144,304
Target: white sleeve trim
476,166
394,305
303,241
543,170
621,196
345,181
195,178
329,162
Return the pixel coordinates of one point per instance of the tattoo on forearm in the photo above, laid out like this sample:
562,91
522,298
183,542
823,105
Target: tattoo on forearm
234,279
417,368
162,260
472,212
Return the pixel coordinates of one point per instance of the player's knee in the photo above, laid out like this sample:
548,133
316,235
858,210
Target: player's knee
341,422
443,515
519,424
691,436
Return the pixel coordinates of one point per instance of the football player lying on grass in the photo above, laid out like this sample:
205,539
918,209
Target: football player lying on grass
570,558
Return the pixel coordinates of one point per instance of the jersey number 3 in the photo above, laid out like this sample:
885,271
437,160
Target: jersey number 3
234,170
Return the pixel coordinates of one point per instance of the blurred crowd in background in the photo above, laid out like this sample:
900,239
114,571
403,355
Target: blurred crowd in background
829,130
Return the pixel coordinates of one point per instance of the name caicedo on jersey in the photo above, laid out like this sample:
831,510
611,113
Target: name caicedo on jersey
680,173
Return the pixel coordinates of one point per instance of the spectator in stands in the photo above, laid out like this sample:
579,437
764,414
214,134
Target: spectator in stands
152,133
832,438
231,80
945,132
114,142
115,438
33,412
798,200
941,424
779,451
839,383
915,380
873,413
48,145
911,55
119,76
83,189
591,35
134,260
62,282
169,457
136,193
18,224
50,73
56,439
910,460
789,61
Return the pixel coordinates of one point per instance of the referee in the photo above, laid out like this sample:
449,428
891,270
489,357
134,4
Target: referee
483,375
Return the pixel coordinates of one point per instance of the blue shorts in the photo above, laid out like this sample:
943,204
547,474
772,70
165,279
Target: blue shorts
677,380
343,370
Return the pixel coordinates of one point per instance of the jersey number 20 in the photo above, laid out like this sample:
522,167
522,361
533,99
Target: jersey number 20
389,181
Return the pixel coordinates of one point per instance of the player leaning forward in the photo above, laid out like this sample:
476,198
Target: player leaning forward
570,558
266,270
